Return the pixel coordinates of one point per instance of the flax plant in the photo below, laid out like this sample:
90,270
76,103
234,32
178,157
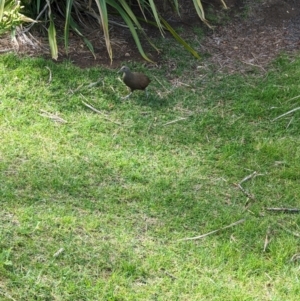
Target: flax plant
75,12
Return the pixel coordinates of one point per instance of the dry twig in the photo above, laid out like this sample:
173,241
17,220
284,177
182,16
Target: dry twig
77,89
99,112
247,194
174,121
293,98
251,176
54,117
95,83
90,85
285,210
267,240
290,122
215,231
57,253
254,65
287,113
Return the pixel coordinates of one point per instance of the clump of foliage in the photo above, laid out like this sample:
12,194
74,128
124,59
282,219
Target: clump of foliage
77,13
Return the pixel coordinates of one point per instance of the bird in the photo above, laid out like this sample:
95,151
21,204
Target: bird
134,80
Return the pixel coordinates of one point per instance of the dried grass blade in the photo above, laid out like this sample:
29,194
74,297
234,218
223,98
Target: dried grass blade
215,231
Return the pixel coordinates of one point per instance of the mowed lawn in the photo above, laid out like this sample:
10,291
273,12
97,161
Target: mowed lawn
98,205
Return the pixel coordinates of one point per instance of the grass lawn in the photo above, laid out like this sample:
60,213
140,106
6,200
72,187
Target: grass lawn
94,206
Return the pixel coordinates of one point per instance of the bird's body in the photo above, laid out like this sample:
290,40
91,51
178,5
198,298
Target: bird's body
134,80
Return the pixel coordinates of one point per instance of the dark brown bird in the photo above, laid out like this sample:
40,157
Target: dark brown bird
134,80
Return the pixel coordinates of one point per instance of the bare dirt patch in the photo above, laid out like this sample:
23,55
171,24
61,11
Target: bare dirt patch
271,27
257,31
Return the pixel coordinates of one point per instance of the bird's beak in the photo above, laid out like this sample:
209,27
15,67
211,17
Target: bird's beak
119,71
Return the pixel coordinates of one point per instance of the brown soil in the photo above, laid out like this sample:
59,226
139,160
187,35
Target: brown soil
269,28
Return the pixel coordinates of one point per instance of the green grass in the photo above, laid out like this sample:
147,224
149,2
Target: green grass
117,191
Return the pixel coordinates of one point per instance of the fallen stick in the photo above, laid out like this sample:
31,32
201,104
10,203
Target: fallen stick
267,240
88,86
61,250
247,194
176,120
254,65
293,98
99,112
290,122
77,89
214,231
253,175
286,210
287,113
52,116
95,83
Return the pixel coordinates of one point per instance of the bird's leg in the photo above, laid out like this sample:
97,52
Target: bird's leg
146,91
127,96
